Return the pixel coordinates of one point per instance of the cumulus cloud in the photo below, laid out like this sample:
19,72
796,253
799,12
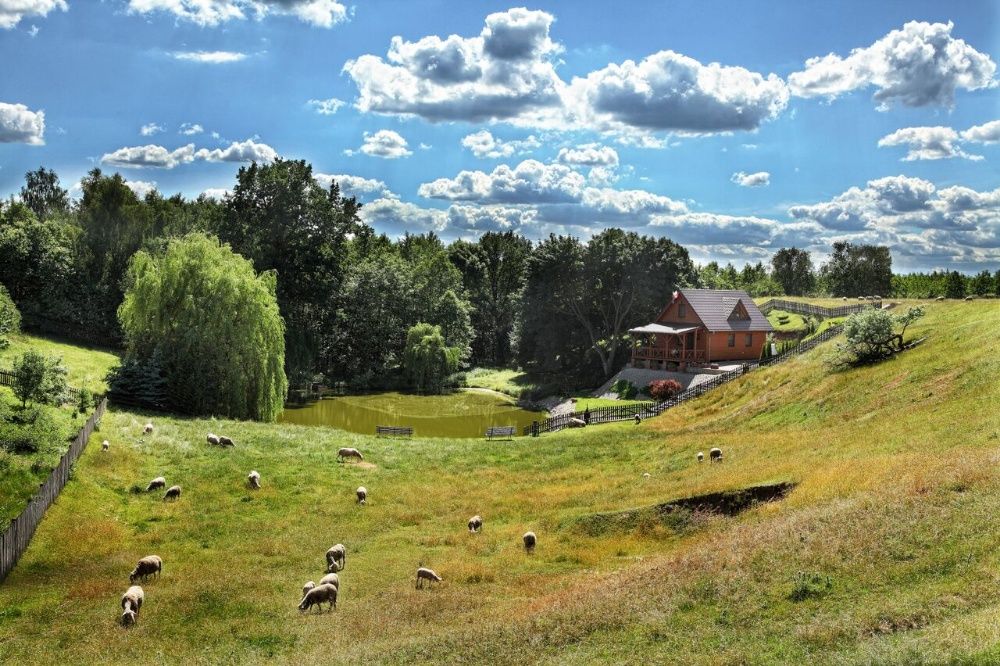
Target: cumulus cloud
589,154
190,129
150,129
158,157
12,11
927,143
19,124
918,65
484,144
326,107
217,193
387,144
356,186
141,187
210,57
985,133
210,13
246,151
758,179
529,182
879,204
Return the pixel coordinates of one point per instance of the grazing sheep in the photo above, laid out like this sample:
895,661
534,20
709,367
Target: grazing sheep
646,475
348,452
638,419
151,565
148,428
331,579
157,483
317,596
968,298
225,441
253,479
173,492
475,523
213,439
105,445
843,298
425,574
939,298
336,556
131,603
308,586
715,455
530,540
362,495
701,456
576,423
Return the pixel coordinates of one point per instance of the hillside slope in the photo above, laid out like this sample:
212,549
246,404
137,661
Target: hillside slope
885,552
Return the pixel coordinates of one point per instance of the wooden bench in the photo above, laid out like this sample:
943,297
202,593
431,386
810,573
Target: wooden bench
393,431
501,431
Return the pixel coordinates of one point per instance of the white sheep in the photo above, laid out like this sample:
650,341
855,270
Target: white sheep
131,603
148,428
969,298
317,596
173,493
157,483
576,423
362,493
645,475
530,540
331,579
939,298
425,574
638,419
151,565
225,441
308,586
701,456
105,445
336,557
475,523
213,439
253,479
843,298
715,455
348,452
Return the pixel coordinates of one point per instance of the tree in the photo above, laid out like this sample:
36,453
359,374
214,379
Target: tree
858,270
870,335
793,270
38,378
43,195
10,317
212,324
954,286
427,360
981,284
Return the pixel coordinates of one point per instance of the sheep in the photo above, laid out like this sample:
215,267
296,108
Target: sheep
939,298
317,596
213,439
151,565
336,557
701,456
253,479
969,298
308,586
638,419
475,523
348,452
147,429
425,574
105,445
362,493
843,298
646,475
331,579
715,454
158,482
225,441
173,492
576,423
530,540
131,603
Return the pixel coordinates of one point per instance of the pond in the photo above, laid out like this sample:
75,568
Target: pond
460,414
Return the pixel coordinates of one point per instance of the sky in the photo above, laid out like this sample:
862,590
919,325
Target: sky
734,128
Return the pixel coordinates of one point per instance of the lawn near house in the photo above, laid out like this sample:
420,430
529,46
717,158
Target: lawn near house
794,323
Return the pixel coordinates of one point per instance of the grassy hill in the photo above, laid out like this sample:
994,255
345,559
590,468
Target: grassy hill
885,552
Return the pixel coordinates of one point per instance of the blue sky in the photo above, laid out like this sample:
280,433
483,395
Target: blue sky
734,128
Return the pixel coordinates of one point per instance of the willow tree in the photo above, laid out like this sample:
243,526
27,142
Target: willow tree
211,323
427,359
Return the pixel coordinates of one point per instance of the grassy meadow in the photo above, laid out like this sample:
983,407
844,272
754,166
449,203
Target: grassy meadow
86,366
886,551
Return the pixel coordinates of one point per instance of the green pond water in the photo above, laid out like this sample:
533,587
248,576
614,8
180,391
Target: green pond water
458,414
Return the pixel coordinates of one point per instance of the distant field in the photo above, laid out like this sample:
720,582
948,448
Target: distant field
87,366
885,553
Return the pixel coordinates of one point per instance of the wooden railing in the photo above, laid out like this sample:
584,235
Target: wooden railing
661,354
818,310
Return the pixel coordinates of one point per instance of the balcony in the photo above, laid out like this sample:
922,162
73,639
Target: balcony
661,354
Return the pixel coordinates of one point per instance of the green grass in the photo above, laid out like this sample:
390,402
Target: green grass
586,402
87,366
884,553
793,323
502,380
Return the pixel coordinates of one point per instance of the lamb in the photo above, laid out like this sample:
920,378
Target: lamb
158,482
225,441
105,445
173,493
425,574
308,586
148,428
213,439
475,523
701,456
131,603
151,565
317,596
362,495
336,557
348,452
530,540
331,579
715,455
253,479
646,475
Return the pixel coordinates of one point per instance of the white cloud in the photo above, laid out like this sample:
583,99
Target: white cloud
33,30
386,144
190,129
326,107
247,151
158,157
919,65
528,182
396,217
217,193
210,57
758,179
985,133
589,154
927,143
12,11
320,13
141,187
19,124
150,129
484,144
356,186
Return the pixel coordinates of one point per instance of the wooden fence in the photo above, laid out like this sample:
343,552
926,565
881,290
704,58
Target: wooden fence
817,310
15,539
644,409
6,378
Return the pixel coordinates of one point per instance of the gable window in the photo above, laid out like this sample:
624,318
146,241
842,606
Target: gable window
748,339
732,340
682,310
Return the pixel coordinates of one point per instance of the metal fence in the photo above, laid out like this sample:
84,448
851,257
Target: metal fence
817,310
15,539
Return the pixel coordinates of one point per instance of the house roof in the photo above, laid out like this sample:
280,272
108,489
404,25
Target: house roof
662,328
714,307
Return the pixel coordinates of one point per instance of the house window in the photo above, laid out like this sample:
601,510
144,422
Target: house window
748,339
732,339
682,310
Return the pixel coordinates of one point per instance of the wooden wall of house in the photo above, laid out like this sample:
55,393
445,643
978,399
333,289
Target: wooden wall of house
719,349
671,315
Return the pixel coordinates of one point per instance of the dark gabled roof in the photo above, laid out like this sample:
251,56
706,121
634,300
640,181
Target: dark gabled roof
714,307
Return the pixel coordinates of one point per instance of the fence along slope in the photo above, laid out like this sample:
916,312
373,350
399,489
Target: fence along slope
15,539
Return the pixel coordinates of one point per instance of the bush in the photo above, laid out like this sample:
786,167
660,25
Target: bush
664,389
625,389
39,379
10,317
140,381
870,335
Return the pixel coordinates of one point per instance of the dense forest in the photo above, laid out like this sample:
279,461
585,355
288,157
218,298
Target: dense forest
349,296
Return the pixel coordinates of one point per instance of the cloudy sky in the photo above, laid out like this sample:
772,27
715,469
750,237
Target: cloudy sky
734,128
